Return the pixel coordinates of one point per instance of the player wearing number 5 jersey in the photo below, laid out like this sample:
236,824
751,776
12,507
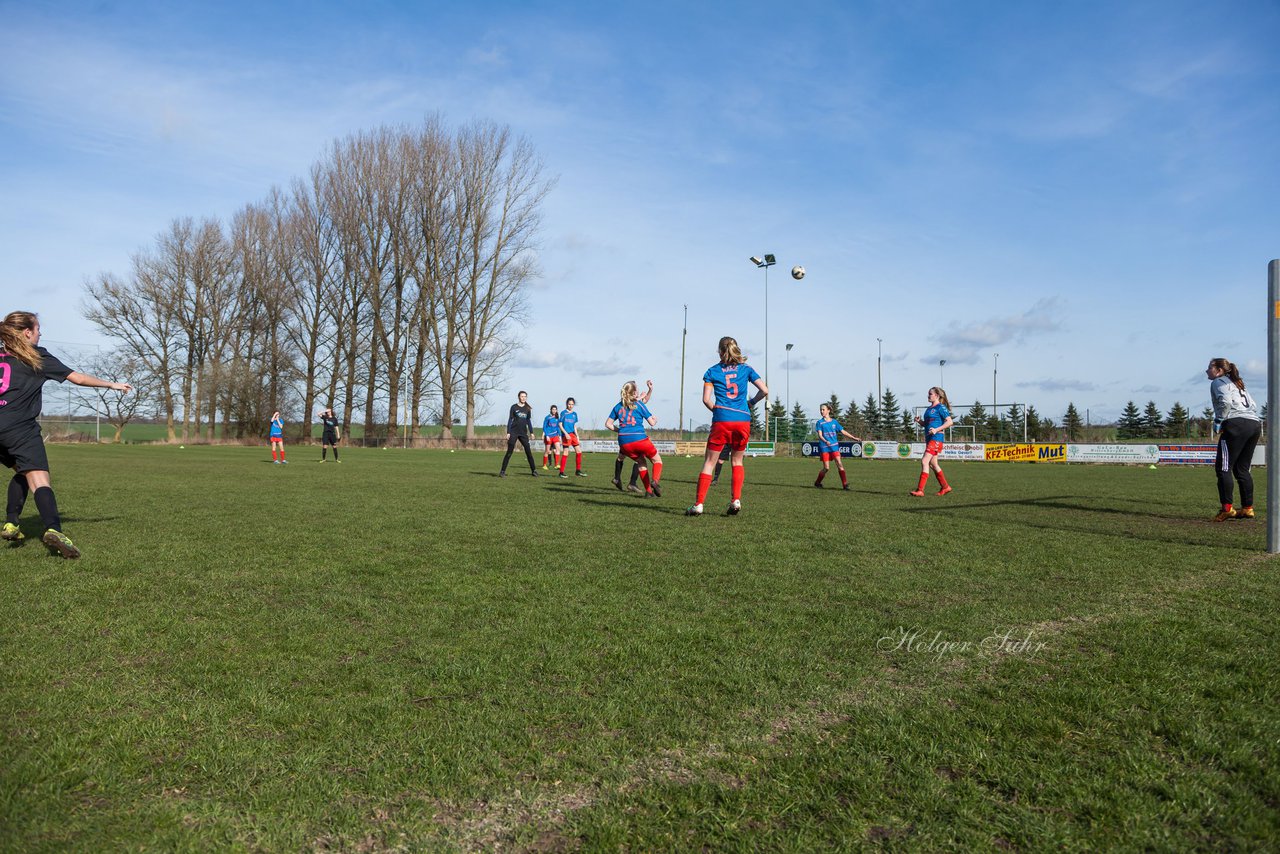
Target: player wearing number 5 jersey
24,367
726,391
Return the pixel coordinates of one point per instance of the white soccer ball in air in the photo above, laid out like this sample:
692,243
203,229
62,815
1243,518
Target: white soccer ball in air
797,272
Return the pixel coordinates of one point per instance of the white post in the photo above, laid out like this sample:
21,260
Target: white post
1273,406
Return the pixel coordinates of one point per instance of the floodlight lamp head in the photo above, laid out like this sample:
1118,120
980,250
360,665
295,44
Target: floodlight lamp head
769,260
757,260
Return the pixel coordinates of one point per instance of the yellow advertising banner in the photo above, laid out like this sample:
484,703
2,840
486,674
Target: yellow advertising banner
1037,453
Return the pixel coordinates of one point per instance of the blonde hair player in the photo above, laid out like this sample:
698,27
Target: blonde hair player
724,391
628,419
24,367
936,419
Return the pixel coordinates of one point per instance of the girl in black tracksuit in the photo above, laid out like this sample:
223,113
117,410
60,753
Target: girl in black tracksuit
1239,425
519,427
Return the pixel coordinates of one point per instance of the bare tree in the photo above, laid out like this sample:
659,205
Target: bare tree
500,190
141,313
120,365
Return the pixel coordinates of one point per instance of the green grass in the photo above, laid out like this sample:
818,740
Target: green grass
403,652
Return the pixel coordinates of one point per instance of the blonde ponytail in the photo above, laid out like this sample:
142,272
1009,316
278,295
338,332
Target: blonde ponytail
15,343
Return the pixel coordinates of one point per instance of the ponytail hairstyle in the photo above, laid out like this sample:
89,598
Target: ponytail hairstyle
629,395
730,353
942,397
1227,367
15,343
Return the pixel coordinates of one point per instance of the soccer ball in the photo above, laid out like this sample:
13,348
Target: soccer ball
797,272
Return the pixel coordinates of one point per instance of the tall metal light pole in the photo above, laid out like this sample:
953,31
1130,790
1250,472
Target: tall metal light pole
765,263
789,346
941,383
995,407
879,341
684,336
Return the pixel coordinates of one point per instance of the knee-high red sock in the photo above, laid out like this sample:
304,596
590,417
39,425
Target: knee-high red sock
942,478
924,478
657,472
739,475
564,458
821,474
644,478
844,478
704,484
544,459
578,461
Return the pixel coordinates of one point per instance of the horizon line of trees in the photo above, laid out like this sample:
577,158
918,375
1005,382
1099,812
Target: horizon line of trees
393,277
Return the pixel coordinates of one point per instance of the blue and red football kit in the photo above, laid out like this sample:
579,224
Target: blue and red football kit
630,422
731,418
569,423
829,431
732,384
551,429
934,417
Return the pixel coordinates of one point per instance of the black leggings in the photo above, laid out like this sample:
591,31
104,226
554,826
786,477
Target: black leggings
511,446
1236,442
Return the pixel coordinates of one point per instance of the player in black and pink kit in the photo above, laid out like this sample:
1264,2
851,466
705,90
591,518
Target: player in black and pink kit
519,428
24,367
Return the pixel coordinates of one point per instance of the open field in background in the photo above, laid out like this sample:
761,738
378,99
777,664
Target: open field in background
404,652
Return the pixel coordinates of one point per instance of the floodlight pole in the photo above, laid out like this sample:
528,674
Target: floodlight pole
684,337
879,350
766,382
1273,406
765,263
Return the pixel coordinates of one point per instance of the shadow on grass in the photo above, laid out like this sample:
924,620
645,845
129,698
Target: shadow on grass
1180,528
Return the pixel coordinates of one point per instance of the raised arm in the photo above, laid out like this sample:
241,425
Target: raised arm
96,382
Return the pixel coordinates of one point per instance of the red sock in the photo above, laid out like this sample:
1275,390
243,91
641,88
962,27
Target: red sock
644,478
844,478
704,483
1226,507
657,472
544,459
924,478
578,460
563,459
821,474
942,478
739,475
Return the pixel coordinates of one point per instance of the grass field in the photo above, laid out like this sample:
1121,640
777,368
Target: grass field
403,652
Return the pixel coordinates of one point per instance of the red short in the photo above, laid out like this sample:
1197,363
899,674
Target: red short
934,447
551,440
279,439
828,456
571,441
643,449
732,433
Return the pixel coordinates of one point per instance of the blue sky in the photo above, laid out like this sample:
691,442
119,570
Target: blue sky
1088,189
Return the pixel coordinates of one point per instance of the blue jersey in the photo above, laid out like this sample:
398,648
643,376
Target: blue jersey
630,422
934,417
829,431
550,426
277,430
569,421
732,384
